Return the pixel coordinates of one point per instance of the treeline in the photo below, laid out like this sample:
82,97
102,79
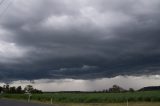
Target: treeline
117,89
18,90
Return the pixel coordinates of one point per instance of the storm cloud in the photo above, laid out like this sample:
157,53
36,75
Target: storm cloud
79,39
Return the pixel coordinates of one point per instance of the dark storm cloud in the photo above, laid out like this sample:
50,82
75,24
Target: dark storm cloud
57,39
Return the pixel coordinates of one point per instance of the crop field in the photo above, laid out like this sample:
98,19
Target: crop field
113,104
92,98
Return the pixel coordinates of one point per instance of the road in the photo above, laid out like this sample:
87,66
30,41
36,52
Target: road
4,102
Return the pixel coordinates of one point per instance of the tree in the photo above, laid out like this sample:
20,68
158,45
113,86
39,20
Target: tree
131,90
6,88
28,88
12,89
19,89
1,89
36,91
116,89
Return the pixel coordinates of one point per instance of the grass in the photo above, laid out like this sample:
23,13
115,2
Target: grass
149,96
113,104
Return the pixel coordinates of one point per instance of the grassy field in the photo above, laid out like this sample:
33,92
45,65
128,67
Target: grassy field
113,104
103,98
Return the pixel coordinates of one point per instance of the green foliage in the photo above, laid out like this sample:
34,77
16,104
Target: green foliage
116,89
12,90
148,96
28,88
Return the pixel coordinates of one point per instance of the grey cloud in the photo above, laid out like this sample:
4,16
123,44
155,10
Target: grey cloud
74,71
118,37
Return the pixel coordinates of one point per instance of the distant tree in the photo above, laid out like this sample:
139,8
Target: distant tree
1,89
105,90
116,89
36,91
131,90
12,90
28,88
6,88
19,89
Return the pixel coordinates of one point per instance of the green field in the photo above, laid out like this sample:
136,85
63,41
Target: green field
113,104
149,97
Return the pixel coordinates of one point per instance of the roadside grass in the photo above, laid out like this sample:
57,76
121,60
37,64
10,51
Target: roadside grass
135,97
113,104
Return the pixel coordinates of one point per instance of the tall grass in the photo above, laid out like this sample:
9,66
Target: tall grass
148,96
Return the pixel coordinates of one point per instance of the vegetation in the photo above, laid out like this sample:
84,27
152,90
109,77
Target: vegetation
115,94
147,96
111,104
18,90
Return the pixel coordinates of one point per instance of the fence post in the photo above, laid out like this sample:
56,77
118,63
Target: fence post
51,101
127,102
29,97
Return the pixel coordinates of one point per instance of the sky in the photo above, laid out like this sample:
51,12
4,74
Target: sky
51,41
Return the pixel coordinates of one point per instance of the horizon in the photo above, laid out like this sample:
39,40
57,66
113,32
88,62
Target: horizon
52,85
